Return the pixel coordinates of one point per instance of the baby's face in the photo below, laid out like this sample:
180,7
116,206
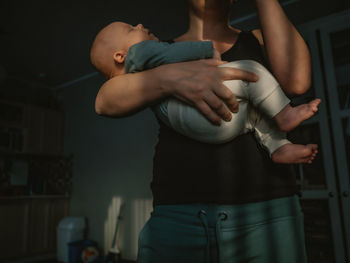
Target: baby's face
136,34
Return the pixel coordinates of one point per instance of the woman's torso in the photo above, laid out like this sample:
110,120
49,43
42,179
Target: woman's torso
239,171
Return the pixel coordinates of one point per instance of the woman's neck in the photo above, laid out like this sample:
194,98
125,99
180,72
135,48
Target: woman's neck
212,26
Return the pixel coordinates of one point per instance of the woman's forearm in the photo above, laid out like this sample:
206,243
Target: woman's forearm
286,50
126,94
198,83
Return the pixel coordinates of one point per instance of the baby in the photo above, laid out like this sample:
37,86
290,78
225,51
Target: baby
121,48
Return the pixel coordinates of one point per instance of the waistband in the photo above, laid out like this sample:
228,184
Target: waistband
221,217
237,215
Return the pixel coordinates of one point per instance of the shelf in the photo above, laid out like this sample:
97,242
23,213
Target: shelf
35,197
31,155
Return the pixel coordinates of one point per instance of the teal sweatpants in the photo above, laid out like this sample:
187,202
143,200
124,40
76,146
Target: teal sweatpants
262,232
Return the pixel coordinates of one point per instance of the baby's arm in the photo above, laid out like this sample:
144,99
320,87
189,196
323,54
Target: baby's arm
151,53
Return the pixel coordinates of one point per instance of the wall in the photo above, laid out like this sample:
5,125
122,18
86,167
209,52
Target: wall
113,157
113,165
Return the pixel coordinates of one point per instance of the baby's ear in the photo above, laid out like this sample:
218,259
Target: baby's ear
119,56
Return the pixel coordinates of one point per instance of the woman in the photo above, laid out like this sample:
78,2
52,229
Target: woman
227,202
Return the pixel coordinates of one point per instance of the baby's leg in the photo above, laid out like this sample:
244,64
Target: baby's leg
188,121
267,95
280,149
266,130
290,117
295,153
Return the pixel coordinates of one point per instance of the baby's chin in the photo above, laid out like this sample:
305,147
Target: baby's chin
153,37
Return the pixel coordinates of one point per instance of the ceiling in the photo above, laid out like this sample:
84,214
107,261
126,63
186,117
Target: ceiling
49,41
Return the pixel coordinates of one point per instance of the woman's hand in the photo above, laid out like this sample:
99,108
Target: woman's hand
200,84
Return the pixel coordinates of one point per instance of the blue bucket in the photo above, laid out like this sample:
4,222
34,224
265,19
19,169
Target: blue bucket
76,248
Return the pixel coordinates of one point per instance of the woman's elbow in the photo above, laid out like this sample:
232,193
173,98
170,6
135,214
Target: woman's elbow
300,90
102,108
99,109
113,110
298,87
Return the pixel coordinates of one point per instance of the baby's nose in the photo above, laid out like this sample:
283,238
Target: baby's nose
140,26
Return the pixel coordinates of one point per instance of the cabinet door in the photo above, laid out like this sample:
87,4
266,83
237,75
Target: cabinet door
44,133
59,208
38,225
13,228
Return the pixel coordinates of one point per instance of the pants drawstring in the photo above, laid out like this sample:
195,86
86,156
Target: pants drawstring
203,217
221,217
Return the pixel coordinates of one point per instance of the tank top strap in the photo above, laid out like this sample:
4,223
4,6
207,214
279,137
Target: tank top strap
247,46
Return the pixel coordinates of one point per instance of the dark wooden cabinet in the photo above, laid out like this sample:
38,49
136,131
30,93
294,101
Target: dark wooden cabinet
28,225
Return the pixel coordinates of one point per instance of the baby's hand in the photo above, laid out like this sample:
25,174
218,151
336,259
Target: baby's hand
216,55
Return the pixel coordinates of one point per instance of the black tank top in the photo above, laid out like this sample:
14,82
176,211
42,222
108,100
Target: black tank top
239,171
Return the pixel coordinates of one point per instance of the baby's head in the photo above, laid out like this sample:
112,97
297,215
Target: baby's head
109,49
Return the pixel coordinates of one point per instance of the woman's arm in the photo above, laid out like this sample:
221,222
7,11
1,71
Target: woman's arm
198,83
287,51
128,93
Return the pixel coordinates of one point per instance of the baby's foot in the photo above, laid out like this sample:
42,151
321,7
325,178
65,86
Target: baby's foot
290,117
295,153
